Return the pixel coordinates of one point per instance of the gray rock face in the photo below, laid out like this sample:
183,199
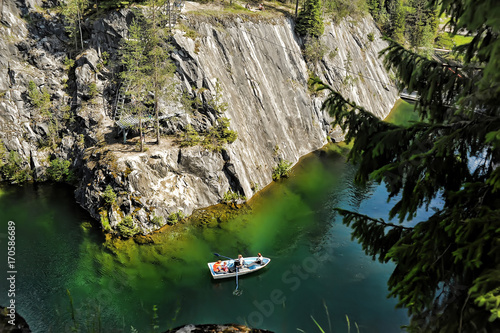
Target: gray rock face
263,78
263,75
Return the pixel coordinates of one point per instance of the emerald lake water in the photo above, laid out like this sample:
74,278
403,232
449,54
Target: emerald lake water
316,270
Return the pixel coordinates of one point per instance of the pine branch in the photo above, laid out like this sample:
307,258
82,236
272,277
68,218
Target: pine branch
345,212
439,85
376,236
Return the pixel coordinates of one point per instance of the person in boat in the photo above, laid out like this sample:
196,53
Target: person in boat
224,268
217,267
260,259
239,262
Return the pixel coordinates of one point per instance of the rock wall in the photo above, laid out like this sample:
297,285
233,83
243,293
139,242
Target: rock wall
262,75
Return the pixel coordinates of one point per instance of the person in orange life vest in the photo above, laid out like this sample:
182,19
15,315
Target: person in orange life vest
217,266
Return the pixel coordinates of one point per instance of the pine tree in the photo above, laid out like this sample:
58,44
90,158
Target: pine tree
162,69
422,23
136,65
447,268
73,11
398,19
310,21
148,69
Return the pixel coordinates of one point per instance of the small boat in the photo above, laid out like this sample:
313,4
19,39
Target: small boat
250,265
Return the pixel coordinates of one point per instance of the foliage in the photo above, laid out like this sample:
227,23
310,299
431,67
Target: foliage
148,69
231,196
109,196
134,59
154,322
340,9
422,21
73,12
219,135
40,100
370,36
398,20
156,49
255,187
3,154
11,166
217,102
126,227
93,90
157,220
190,137
176,217
59,171
447,268
447,40
282,169
412,21
310,20
68,63
105,58
188,32
314,50
105,220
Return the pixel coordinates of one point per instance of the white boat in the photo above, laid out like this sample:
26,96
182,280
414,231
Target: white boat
250,265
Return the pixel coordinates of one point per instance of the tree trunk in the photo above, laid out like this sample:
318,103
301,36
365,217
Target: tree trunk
80,26
157,122
169,17
141,135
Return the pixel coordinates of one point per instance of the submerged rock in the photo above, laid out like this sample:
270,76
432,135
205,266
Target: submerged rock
6,320
213,328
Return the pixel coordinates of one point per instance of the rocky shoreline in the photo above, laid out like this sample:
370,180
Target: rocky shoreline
21,326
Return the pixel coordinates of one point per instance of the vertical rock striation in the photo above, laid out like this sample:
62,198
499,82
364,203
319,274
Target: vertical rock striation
264,78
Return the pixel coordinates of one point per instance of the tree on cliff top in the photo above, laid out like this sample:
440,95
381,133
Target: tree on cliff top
136,66
447,271
162,69
310,21
148,69
73,11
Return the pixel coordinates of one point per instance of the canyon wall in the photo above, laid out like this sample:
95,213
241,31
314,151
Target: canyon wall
261,74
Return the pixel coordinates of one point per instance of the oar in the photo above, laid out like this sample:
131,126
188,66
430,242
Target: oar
236,291
218,255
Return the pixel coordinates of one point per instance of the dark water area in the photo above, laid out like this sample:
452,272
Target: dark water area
316,271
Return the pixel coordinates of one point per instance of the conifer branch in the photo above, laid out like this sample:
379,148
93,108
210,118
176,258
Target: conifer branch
345,212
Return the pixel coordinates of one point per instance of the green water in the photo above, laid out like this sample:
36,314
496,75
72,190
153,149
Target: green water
316,270
402,113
